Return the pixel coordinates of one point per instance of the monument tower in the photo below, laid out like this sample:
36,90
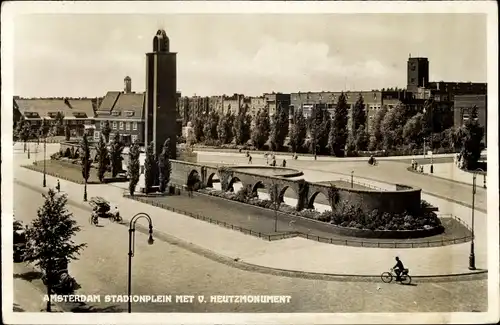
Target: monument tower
161,95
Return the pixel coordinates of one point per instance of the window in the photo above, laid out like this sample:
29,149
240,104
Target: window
121,125
134,138
127,126
114,125
134,126
97,134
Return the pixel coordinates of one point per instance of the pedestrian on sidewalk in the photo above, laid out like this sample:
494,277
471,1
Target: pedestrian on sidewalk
58,186
249,159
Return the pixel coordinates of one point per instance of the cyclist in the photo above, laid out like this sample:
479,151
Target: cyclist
398,268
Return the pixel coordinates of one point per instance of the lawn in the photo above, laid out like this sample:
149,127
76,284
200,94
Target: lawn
67,171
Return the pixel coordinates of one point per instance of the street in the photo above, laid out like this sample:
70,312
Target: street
163,269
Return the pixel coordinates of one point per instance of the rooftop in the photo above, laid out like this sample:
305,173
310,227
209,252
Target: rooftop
44,107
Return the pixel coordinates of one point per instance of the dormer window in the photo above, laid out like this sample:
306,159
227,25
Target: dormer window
129,113
79,115
115,113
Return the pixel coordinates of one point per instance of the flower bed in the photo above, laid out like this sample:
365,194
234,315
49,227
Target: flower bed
345,214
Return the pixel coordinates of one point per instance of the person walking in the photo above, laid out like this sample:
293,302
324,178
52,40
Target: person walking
58,186
249,159
284,163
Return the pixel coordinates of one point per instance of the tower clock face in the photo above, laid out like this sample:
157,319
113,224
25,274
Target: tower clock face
413,67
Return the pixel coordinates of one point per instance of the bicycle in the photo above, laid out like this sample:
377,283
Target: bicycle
404,277
94,219
116,217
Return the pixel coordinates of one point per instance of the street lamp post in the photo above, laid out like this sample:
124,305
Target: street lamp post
472,256
131,242
44,163
352,178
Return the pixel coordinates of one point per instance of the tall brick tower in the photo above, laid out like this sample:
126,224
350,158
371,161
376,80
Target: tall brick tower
161,94
418,73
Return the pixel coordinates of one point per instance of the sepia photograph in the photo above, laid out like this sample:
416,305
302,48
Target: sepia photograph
249,162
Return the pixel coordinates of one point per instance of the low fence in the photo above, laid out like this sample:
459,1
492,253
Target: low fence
363,184
290,234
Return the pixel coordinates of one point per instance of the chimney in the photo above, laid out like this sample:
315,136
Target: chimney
127,85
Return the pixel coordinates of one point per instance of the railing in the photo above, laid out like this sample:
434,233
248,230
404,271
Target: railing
362,184
290,234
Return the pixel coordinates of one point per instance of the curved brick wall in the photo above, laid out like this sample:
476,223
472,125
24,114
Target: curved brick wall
385,201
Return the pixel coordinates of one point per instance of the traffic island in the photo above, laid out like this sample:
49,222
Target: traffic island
259,221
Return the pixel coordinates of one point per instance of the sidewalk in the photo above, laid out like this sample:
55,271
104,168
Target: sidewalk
452,172
27,288
295,254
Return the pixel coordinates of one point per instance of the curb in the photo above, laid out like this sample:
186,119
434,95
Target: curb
236,263
439,177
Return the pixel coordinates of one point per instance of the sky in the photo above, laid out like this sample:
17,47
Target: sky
86,55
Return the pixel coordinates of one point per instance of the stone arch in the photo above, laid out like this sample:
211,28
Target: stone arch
284,190
255,188
230,185
312,199
213,178
194,180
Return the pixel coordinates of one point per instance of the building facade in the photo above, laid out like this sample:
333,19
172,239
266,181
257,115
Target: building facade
463,105
124,111
78,113
373,101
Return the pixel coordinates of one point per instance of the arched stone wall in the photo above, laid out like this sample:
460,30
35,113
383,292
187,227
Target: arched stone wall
405,198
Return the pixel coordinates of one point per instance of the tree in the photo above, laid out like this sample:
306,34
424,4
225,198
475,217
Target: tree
392,127
86,163
260,132
210,127
376,140
279,128
133,167
106,131
358,114
413,131
298,131
468,138
319,128
241,127
225,128
361,139
58,124
164,166
23,131
198,128
116,151
150,166
338,132
50,242
103,158
67,132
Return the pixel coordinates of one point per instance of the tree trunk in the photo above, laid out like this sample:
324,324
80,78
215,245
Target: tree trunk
49,291
24,146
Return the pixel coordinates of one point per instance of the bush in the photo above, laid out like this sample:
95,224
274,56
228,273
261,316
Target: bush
345,214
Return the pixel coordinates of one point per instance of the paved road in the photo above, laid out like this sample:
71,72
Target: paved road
386,171
166,269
